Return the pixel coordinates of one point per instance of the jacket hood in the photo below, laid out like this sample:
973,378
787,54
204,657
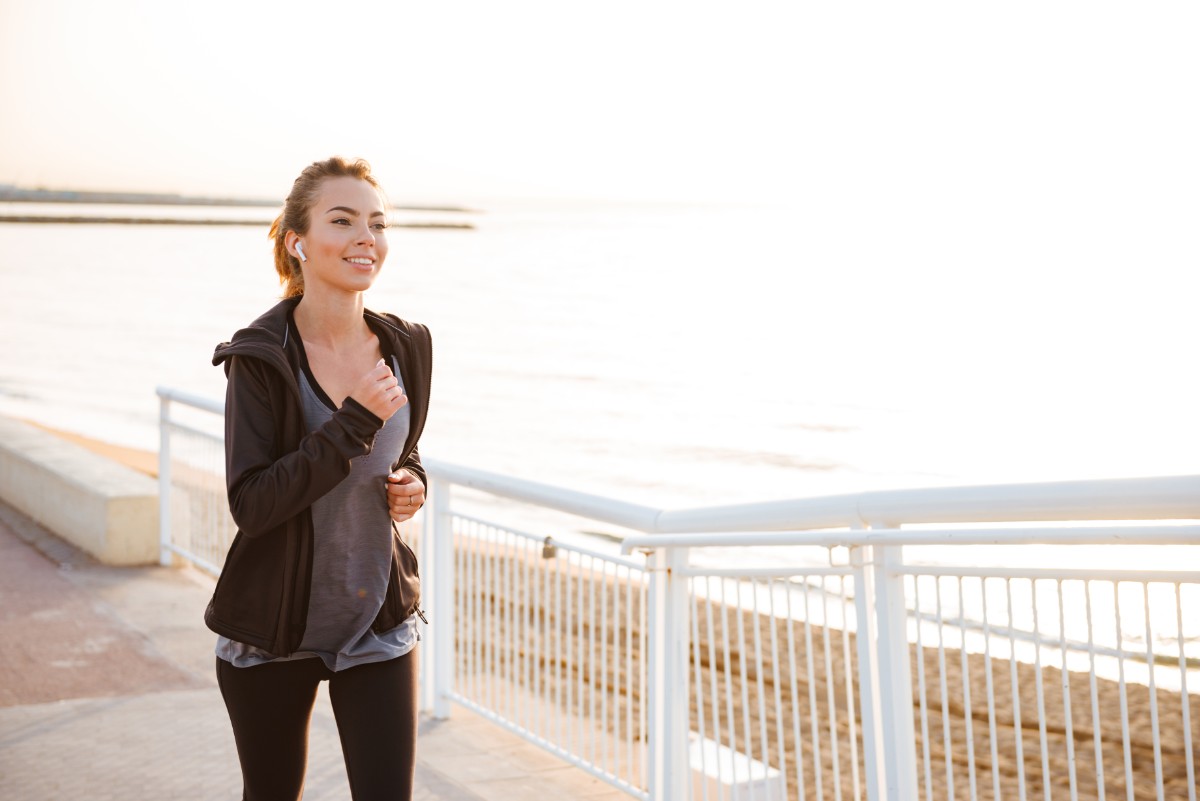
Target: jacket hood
269,332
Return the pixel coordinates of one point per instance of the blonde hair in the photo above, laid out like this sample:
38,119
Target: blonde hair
296,213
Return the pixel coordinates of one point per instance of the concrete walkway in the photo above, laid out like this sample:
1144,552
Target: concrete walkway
107,692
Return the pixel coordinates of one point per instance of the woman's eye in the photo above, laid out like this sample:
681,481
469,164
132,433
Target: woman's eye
341,221
380,226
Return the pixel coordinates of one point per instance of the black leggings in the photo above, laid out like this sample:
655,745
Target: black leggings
376,710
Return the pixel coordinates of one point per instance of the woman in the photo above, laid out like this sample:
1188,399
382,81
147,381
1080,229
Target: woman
324,406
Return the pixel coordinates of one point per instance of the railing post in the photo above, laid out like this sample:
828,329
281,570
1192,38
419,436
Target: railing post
895,676
885,679
437,546
874,746
667,677
164,480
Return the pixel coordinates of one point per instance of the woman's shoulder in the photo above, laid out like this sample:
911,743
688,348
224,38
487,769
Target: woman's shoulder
401,327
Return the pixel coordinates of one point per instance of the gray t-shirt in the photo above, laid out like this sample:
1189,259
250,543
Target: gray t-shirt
352,550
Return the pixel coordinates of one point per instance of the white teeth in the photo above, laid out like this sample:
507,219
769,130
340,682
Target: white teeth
360,261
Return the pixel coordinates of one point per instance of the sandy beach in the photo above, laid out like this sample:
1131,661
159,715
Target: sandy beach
804,670
814,694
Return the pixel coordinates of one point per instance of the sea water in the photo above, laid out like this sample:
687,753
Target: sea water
670,355
664,354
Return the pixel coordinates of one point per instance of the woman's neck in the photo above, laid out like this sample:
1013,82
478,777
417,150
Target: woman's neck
330,319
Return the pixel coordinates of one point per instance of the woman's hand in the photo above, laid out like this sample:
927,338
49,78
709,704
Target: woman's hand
380,392
406,494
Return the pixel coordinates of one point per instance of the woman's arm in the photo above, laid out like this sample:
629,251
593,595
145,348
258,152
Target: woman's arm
265,491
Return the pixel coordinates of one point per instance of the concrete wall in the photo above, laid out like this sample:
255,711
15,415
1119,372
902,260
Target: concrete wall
103,507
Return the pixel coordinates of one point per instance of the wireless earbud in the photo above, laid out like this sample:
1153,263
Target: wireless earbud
300,250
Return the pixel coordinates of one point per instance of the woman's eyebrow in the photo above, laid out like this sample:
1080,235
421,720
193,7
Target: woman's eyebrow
349,210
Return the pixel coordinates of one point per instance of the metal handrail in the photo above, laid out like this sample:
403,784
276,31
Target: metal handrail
1161,498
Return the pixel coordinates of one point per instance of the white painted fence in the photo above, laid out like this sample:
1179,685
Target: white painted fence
843,647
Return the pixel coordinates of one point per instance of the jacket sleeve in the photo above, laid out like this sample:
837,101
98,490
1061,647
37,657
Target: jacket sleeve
266,487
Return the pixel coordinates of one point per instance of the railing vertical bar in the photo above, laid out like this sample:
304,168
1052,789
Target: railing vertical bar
481,618
830,694
480,626
550,671
502,700
477,620
605,669
511,602
643,709
728,650
698,682
991,698
1097,726
543,661
617,660
968,712
814,723
537,661
574,657
460,580
488,634
629,681
1068,725
922,704
495,631
579,609
505,682
1122,697
164,480
521,625
506,686
1041,701
524,617
563,578
1150,665
801,786
457,637
714,679
562,686
486,637
943,686
1018,729
756,627
747,729
463,587
777,681
1185,701
848,673
593,667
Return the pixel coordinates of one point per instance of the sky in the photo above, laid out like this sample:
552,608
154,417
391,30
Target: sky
852,104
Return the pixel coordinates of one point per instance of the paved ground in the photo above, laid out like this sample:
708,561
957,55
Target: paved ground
107,692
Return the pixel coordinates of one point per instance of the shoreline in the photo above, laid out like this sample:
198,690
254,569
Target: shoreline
85,220
16,194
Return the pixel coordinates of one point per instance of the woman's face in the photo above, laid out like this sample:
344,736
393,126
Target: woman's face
346,241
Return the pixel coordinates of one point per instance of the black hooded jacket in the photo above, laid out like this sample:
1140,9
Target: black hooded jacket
276,469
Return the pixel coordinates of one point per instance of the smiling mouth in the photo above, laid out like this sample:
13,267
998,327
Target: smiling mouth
362,261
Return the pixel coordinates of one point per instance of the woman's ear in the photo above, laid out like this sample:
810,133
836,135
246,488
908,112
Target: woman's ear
292,242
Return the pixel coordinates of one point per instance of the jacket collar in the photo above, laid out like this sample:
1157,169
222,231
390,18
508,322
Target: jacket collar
273,339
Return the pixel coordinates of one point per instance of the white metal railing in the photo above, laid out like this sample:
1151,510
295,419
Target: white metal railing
713,657
193,508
